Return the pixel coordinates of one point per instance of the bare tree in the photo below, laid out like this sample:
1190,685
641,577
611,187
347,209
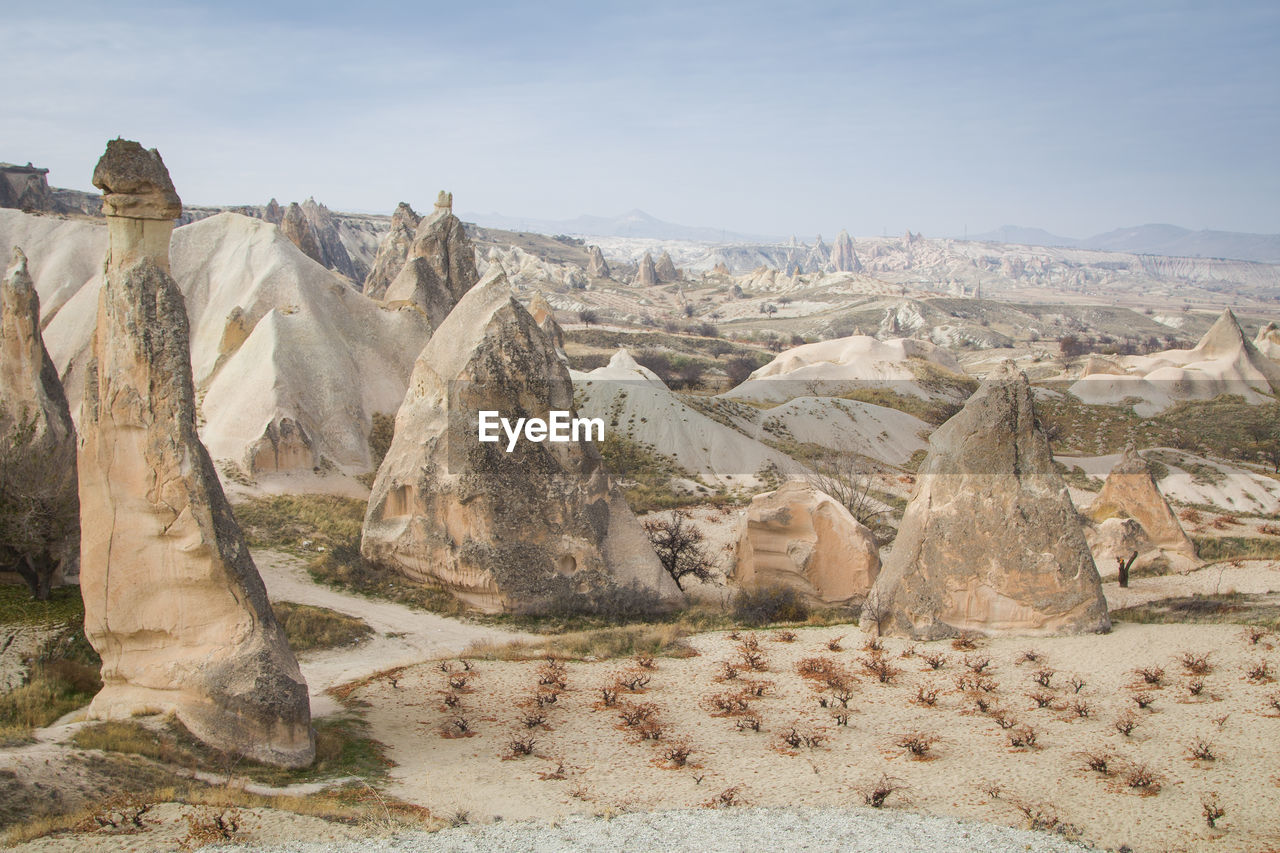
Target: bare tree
680,546
842,476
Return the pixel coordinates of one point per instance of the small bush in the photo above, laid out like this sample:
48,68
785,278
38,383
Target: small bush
1196,663
934,660
883,671
1142,777
1259,671
1023,737
927,698
1125,724
1153,675
521,745
918,744
768,605
1201,750
1212,809
1042,699
877,793
1143,700
1098,761
1043,677
308,628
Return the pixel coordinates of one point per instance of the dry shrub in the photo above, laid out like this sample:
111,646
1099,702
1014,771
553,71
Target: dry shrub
1191,516
122,812
876,793
644,660
728,704
1004,719
608,694
934,660
926,697
880,667
749,722
632,680
965,643
918,744
1195,686
1030,656
633,715
1254,634
1098,761
873,644
1081,709
1196,663
678,752
533,719
1212,809
1201,750
1043,677
797,736
728,671
818,668
976,664
1143,700
1143,777
756,687
1023,737
1041,698
785,636
1125,724
521,745
726,799
1259,671
211,825
1076,683
1153,675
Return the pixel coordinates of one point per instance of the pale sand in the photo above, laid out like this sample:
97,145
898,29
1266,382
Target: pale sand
608,771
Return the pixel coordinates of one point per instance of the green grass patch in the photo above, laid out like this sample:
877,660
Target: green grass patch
53,688
287,521
342,567
308,628
17,607
1218,548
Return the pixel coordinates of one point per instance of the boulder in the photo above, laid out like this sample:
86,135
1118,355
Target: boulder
173,602
392,251
596,265
646,274
440,267
1130,492
39,506
805,539
990,541
500,530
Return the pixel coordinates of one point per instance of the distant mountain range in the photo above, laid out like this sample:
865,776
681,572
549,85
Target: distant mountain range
1153,240
633,223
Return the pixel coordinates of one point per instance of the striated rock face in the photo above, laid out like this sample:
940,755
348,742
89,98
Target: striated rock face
1130,492
843,258
647,274
990,541
501,531
173,601
40,528
665,269
440,267
596,266
295,226
328,239
392,251
800,537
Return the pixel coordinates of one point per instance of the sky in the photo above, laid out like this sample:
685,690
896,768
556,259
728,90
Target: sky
768,118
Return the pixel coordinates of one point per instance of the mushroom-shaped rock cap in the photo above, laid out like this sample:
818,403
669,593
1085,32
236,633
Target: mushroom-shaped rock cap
135,183
444,201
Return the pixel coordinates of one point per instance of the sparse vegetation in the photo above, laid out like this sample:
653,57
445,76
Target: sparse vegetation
309,628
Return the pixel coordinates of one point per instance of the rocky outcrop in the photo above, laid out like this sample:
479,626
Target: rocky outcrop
805,539
646,274
665,269
295,226
843,258
392,251
328,239
39,505
1268,341
596,265
440,267
545,316
500,530
990,541
273,213
26,188
173,602
1131,493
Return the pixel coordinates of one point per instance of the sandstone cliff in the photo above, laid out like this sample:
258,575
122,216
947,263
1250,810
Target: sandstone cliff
501,531
173,601
990,541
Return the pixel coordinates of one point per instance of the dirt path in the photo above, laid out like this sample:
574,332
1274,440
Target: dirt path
402,635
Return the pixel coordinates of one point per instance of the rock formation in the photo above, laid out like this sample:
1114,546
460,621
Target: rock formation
1130,492
173,601
843,258
440,267
805,539
272,212
545,316
328,238
720,269
646,274
298,229
26,188
665,269
1268,341
990,541
500,530
39,506
392,251
596,265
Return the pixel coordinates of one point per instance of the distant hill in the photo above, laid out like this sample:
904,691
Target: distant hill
633,223
1153,240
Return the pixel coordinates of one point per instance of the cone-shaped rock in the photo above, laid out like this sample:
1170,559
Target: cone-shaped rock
1131,490
665,268
596,265
501,530
392,251
39,505
803,538
545,316
173,601
298,229
843,257
990,541
646,274
440,267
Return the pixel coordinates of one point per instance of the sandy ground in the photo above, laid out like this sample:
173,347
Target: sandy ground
586,761
1252,577
402,636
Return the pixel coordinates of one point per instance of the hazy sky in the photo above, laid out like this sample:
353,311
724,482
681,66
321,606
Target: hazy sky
778,118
